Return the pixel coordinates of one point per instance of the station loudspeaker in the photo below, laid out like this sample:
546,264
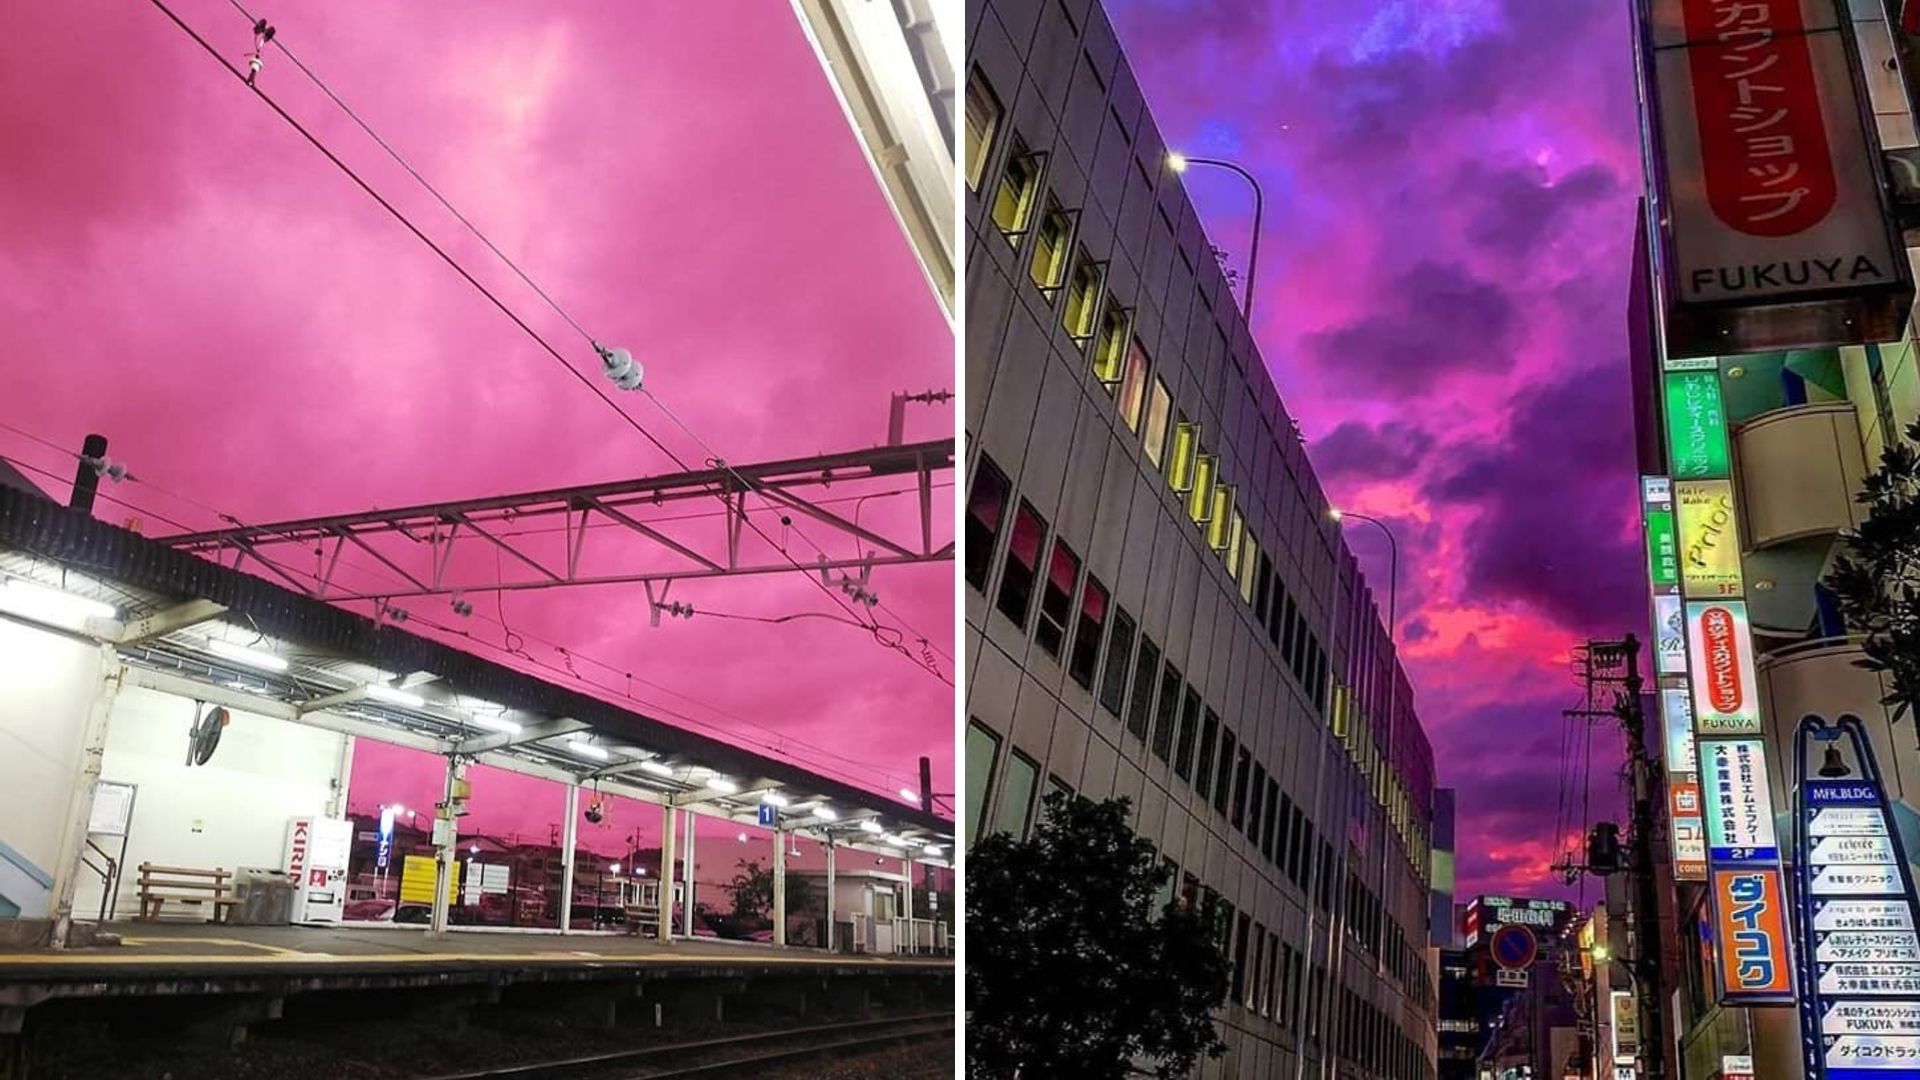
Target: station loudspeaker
203,738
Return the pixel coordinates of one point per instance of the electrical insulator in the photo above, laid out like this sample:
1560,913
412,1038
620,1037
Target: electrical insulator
622,368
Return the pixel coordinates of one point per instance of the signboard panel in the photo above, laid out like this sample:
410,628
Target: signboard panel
1751,936
1720,656
417,873
1860,953
1739,808
1663,550
1626,1026
1773,230
1676,716
1709,537
1670,635
1696,426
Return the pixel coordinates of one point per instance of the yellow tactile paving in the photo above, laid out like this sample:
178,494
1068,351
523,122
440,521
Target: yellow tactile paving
289,956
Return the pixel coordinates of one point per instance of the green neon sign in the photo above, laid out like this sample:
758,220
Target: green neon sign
1696,426
1663,551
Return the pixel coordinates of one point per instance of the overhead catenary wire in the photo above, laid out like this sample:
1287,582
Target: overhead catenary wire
745,517
890,777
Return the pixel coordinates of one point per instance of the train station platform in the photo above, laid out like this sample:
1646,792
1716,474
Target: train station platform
209,958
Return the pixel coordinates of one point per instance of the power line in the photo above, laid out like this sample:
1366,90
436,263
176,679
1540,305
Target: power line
496,301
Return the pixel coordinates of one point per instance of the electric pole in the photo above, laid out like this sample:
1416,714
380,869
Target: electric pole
1618,663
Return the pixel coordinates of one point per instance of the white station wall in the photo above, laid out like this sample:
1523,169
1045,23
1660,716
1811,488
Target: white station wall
47,683
229,813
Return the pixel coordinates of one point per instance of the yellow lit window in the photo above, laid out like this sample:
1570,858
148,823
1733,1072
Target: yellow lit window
1236,539
1219,522
1133,386
1200,498
1186,445
1049,266
1019,184
983,123
1082,295
1249,568
1110,352
1159,406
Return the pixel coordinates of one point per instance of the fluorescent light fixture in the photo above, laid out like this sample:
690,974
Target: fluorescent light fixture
723,785
825,813
587,749
872,826
244,655
656,767
909,796
36,601
774,798
497,723
392,696
933,849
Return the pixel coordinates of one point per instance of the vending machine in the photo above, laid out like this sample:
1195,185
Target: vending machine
317,850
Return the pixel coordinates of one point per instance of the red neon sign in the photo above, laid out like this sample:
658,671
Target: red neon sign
1724,689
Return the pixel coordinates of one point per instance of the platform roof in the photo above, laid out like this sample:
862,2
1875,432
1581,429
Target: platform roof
186,625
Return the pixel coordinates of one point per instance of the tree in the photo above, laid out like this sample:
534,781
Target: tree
1070,970
1876,578
753,892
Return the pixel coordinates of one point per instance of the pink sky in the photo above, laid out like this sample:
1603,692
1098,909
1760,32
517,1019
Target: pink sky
183,274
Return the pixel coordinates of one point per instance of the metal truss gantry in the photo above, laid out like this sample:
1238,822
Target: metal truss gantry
417,544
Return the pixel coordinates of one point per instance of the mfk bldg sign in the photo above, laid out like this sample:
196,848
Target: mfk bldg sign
1772,227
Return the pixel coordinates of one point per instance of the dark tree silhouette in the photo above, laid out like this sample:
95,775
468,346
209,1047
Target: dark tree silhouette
1070,969
1876,578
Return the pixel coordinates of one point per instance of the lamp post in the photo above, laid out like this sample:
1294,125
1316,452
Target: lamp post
1393,564
1179,163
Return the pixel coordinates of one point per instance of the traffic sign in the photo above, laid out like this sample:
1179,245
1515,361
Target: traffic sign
1513,947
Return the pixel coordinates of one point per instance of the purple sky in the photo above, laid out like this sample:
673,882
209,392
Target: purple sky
182,273
1450,197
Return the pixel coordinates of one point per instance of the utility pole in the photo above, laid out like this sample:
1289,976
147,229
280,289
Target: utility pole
86,477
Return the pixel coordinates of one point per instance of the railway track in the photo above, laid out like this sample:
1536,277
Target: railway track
730,1055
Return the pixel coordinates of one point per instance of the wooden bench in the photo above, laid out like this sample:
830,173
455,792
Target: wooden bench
159,884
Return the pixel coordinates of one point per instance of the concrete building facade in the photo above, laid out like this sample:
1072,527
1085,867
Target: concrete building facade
1159,604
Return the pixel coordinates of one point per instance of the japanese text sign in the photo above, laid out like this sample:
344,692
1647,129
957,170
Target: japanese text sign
1739,804
1709,538
1720,653
1696,426
1750,920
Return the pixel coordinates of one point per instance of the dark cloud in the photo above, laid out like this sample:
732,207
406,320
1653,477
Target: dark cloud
1433,320
1519,210
1357,450
1554,497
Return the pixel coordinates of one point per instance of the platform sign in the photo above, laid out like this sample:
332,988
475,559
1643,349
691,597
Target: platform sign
769,815
1720,661
1739,808
1860,952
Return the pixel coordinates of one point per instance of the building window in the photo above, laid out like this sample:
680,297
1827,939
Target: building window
1269,1002
1250,559
1236,541
1240,960
1200,499
1133,386
1266,828
983,126
1182,462
1110,353
1219,519
1113,683
1083,297
983,746
1240,788
1255,981
1015,810
1167,717
1056,599
1223,778
1189,735
1255,795
1277,610
1159,410
1023,561
1019,184
1139,710
1085,660
986,509
1048,267
1263,590
1203,769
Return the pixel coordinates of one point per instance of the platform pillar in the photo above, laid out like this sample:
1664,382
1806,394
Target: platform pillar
664,929
569,836
829,892
73,841
913,939
779,885
686,876
446,838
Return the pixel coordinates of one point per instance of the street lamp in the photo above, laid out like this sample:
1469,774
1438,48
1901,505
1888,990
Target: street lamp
1393,564
1179,163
